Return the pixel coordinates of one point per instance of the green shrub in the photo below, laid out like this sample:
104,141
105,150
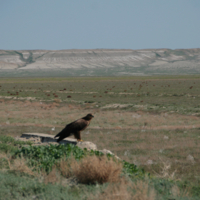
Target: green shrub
45,157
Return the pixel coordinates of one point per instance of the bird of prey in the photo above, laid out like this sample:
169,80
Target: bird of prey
75,128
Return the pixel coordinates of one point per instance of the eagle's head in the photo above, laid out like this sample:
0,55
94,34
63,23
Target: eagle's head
89,116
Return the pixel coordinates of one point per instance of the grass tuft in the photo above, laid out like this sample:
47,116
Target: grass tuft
93,169
126,190
53,177
19,165
142,191
65,166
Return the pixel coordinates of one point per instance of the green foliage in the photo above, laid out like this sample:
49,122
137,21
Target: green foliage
163,186
196,190
6,139
45,157
7,148
9,144
132,170
4,163
10,140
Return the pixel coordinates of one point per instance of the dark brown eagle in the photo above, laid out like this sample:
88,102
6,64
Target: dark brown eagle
75,128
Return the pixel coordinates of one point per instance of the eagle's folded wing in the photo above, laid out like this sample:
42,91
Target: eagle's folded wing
78,125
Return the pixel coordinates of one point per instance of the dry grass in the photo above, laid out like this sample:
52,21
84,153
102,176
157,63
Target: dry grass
4,156
142,191
53,177
165,170
4,161
89,170
93,169
66,167
20,165
126,190
117,191
177,193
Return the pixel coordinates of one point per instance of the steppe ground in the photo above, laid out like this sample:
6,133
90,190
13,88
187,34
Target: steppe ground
153,122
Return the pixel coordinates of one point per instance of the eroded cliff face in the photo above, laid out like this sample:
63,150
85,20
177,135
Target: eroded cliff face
99,62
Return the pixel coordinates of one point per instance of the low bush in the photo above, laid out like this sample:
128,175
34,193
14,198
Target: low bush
93,169
45,157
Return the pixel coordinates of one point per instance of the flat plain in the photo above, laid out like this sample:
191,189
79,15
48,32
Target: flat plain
151,121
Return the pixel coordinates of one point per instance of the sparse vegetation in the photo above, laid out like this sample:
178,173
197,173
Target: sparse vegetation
150,123
167,94
92,168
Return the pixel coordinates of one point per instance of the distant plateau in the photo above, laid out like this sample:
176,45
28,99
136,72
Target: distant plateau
98,62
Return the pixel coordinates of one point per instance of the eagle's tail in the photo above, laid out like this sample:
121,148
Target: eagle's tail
63,134
60,137
57,135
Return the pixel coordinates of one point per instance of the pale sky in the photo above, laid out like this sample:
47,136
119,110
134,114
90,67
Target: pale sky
93,24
